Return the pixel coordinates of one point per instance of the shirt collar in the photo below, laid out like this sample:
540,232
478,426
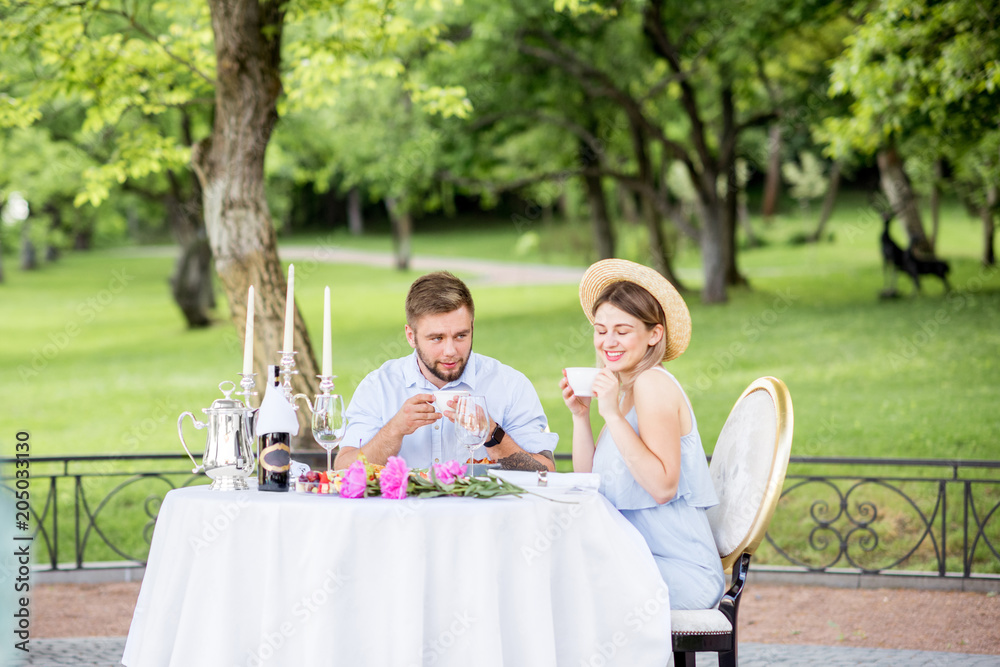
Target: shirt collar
414,378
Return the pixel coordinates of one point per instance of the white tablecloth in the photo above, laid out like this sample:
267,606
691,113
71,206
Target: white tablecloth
251,579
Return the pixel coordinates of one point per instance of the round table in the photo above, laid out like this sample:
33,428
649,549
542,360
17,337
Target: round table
251,578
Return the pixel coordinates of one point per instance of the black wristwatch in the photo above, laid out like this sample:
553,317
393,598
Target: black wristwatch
498,434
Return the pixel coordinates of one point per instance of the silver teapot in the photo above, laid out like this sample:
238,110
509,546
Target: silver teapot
228,457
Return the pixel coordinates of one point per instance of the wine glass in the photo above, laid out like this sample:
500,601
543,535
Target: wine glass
328,423
472,424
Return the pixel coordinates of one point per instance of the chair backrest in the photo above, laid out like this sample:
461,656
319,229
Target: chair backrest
748,467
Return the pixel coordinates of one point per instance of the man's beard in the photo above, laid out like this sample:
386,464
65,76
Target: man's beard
441,374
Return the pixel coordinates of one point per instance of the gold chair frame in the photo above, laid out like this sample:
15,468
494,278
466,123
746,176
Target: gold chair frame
737,562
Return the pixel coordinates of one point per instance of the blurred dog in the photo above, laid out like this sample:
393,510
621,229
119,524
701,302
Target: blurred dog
933,267
895,258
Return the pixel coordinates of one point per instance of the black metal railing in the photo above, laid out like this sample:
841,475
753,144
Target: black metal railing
876,515
109,502
907,516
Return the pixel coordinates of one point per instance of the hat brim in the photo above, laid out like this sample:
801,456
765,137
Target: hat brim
609,271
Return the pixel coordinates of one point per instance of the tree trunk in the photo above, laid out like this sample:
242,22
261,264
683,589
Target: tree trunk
402,232
729,215
733,275
743,216
772,183
82,239
713,253
988,214
600,222
191,282
447,189
936,202
355,222
828,201
626,201
230,167
658,251
55,214
901,197
730,199
29,256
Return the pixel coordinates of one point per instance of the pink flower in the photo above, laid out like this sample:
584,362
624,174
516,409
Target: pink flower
355,481
395,477
448,471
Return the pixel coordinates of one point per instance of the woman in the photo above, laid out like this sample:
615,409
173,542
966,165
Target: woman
649,454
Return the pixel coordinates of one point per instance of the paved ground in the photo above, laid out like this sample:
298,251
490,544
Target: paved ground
106,652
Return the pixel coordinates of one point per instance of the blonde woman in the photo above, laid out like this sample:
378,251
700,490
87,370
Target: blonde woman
649,454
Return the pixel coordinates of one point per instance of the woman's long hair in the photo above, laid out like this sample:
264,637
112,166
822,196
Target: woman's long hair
640,304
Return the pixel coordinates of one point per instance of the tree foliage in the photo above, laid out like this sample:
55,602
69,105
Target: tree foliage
924,77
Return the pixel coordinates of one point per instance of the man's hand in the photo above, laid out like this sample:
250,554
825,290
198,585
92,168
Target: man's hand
417,411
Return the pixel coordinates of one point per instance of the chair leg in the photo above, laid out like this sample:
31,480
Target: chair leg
684,658
728,658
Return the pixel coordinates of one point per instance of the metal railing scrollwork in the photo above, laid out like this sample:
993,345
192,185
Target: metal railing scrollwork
900,515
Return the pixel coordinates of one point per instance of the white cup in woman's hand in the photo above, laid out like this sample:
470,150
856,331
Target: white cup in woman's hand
581,379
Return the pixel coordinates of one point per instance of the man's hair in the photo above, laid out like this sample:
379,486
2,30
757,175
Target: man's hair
436,293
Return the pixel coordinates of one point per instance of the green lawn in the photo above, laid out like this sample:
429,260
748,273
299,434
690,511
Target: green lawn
95,357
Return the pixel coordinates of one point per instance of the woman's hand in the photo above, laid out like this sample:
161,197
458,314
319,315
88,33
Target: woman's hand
579,406
607,390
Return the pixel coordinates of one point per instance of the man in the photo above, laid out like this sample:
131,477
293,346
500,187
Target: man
392,412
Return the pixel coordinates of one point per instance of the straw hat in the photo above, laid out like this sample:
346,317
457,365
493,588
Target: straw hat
608,271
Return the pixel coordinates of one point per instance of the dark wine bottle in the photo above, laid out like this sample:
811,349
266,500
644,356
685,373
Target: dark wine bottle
276,423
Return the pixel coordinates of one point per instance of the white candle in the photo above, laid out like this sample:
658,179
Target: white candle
248,340
327,361
289,310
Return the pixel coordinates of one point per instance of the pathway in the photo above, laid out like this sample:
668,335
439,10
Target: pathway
488,272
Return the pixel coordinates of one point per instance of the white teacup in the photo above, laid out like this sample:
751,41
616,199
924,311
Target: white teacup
581,379
441,398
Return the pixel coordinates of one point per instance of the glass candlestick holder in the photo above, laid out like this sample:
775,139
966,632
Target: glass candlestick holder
326,384
287,371
248,384
325,389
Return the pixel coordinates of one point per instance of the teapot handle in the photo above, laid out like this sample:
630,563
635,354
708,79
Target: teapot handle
252,416
180,433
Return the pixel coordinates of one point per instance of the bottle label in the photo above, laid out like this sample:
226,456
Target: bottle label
276,458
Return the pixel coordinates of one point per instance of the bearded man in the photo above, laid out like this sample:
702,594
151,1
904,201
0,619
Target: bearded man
392,412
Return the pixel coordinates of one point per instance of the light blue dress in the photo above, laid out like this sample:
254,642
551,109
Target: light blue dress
677,532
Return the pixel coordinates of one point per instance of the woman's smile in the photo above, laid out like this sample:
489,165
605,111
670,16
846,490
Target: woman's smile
612,356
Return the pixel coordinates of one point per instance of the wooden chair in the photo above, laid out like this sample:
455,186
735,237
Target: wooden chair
748,470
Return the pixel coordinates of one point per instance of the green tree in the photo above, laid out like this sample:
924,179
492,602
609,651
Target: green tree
103,79
924,82
148,60
688,80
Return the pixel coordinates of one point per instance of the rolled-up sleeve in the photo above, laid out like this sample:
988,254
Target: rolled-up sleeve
364,414
524,420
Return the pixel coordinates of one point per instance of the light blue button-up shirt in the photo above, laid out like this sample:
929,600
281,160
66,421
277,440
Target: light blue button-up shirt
510,398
